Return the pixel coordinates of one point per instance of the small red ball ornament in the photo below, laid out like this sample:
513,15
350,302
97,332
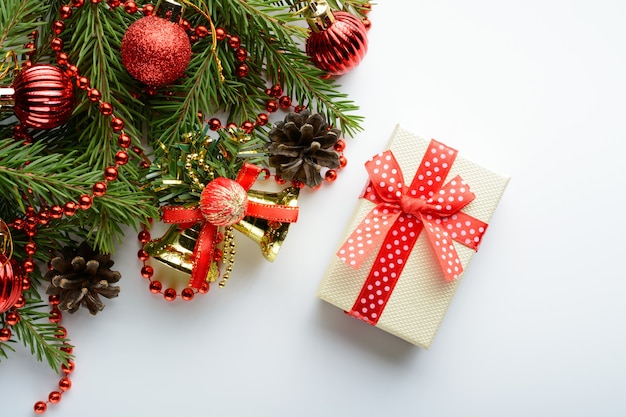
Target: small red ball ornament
155,51
337,41
42,97
223,202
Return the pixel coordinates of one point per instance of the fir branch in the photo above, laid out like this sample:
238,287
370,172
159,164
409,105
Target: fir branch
18,19
42,337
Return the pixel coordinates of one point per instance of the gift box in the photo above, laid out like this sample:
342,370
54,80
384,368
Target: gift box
405,251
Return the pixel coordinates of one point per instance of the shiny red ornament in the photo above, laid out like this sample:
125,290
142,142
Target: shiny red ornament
337,41
41,96
10,283
155,51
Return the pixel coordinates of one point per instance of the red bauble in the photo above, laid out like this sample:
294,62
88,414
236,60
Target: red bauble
155,51
44,96
10,283
337,45
223,202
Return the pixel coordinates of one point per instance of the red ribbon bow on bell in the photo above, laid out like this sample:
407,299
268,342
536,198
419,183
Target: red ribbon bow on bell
223,202
400,214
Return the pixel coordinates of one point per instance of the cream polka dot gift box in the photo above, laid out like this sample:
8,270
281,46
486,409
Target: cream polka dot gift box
421,218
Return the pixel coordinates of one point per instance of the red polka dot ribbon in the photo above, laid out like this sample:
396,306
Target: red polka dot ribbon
400,215
204,249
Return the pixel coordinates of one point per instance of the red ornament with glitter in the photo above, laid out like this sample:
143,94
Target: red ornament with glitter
223,202
41,96
337,41
155,51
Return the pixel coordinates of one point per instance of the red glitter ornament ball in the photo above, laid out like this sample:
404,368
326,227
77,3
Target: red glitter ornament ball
223,202
155,51
337,44
44,96
10,283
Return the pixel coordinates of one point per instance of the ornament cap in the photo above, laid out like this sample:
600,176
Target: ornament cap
7,99
170,10
318,15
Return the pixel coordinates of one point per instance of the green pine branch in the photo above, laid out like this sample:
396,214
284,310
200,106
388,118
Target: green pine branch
40,336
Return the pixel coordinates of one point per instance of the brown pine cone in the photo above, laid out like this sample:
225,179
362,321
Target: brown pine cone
301,146
80,276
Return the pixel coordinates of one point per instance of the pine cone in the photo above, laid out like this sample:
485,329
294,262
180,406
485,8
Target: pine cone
80,276
301,146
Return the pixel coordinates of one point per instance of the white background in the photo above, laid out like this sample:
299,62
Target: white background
534,89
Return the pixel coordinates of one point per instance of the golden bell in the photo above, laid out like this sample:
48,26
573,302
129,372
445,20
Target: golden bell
175,249
270,235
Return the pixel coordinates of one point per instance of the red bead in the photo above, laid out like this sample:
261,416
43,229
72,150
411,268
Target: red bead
82,83
231,125
58,27
11,318
331,175
247,126
148,10
367,23
219,237
266,174
67,349
299,108
44,217
30,248
61,332
113,3
343,161
106,109
85,202
71,71
187,294
241,54
185,25
242,70
169,294
271,106
62,58
147,271
220,34
284,102
56,212
202,31
121,158
55,396
94,95
56,44
367,7
155,287
5,334
279,180
65,383
65,12
117,124
40,407
193,38
54,299
143,236
78,3
55,315
21,302
70,208
217,255
95,1
99,189
204,288
262,119
276,91
29,266
340,145
130,7
297,184
68,367
214,124
142,255
234,42
110,173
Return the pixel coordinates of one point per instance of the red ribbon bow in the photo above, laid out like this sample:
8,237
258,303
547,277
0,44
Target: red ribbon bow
401,213
204,250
